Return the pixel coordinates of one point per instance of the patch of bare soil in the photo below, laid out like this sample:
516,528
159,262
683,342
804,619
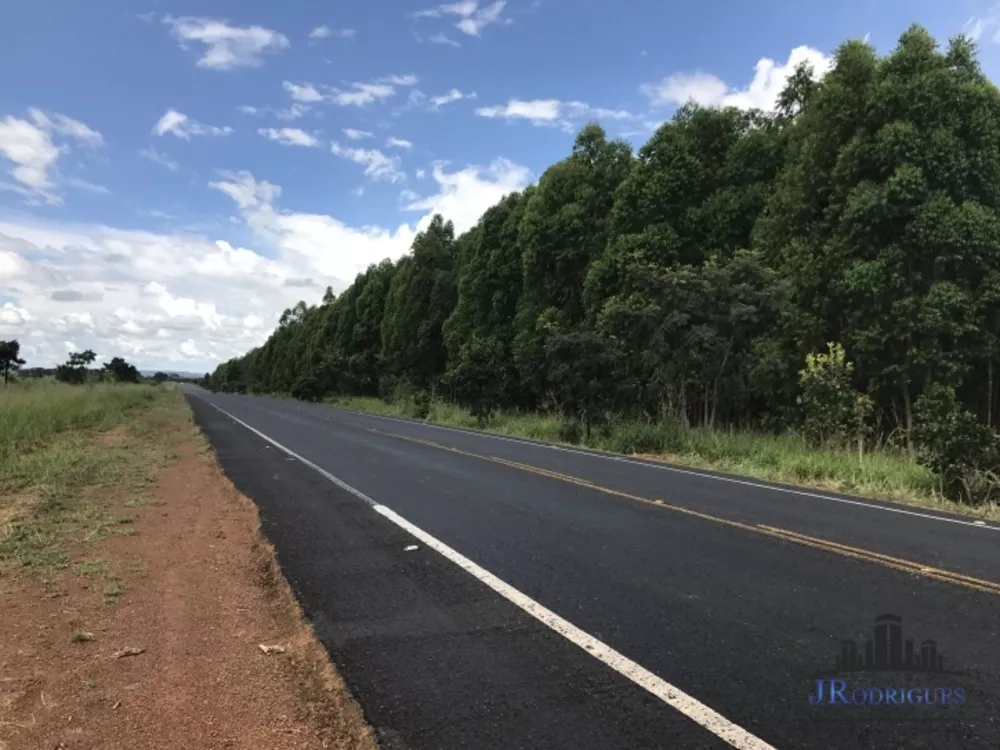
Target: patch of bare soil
174,658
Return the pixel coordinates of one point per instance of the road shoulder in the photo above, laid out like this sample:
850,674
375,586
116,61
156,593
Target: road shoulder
174,657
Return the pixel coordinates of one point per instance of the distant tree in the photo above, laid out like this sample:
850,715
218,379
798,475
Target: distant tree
124,372
159,377
9,359
75,369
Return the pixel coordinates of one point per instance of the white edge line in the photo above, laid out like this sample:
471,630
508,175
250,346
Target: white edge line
674,697
664,467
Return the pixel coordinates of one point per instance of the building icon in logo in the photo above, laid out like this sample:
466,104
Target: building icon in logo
888,650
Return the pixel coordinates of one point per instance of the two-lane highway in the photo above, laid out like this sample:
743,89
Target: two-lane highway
502,593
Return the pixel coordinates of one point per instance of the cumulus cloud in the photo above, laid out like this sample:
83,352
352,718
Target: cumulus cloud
762,92
377,165
320,32
32,147
290,136
187,301
464,195
226,46
471,18
180,125
393,142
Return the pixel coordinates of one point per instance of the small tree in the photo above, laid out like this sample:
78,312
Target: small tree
75,369
10,360
159,377
122,371
834,412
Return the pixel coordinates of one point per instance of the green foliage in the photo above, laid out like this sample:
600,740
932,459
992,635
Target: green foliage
122,371
835,414
684,286
963,452
74,371
10,360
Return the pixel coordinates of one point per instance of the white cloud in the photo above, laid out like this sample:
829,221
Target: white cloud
322,32
464,195
407,80
393,142
187,301
226,46
67,126
377,165
977,26
320,246
762,92
290,136
567,115
248,110
362,94
302,92
537,110
158,157
182,126
13,319
293,112
420,174
443,39
31,147
90,187
358,94
452,96
471,18
357,135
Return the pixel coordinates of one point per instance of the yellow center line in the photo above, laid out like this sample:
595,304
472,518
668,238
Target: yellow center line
896,563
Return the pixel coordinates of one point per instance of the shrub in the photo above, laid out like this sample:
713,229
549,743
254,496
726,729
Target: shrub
835,414
960,450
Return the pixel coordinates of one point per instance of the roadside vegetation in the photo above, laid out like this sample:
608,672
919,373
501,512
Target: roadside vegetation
810,294
890,475
76,464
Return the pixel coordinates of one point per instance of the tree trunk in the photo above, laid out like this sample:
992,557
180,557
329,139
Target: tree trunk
989,394
908,416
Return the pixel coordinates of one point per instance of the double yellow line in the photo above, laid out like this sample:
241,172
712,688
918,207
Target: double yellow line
896,563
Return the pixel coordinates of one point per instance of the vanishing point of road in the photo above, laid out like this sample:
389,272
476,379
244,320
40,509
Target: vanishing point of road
477,591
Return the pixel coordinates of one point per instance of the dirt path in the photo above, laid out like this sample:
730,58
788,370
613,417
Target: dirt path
202,595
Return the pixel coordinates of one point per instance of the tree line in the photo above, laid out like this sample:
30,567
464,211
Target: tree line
76,370
832,267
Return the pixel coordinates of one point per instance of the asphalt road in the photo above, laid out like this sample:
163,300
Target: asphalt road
678,609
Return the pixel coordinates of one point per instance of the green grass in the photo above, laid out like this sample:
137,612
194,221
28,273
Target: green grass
70,458
887,475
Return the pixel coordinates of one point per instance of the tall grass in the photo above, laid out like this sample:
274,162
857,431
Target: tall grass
70,459
891,475
33,412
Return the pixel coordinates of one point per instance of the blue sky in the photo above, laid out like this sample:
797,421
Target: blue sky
174,174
